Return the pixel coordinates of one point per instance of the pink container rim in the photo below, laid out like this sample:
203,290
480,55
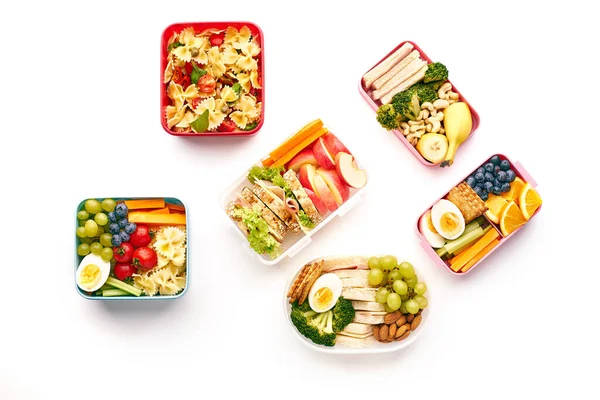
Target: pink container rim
178,26
521,172
375,104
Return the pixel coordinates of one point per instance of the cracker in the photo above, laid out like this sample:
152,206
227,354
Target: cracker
468,202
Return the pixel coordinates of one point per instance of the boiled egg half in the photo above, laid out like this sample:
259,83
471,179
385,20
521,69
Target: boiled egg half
325,292
447,219
429,232
92,273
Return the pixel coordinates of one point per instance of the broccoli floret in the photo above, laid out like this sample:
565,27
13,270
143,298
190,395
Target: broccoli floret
317,327
407,104
426,92
388,117
436,72
343,314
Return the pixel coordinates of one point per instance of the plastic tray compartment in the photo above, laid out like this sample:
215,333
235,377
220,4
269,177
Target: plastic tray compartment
521,173
78,258
373,349
376,103
293,243
199,27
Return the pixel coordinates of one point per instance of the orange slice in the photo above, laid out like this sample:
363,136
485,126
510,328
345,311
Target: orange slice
511,218
516,187
529,201
495,204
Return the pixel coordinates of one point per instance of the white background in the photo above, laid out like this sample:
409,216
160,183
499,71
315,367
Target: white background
80,118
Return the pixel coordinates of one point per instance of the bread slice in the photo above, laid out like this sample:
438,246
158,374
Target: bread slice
369,317
367,306
276,205
384,66
231,207
379,83
276,226
353,342
363,294
302,197
358,282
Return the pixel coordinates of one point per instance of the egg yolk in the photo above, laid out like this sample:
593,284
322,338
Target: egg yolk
449,222
90,274
323,297
430,225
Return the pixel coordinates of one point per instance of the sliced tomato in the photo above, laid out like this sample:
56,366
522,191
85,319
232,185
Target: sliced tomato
177,75
195,102
227,126
185,81
207,83
189,68
216,40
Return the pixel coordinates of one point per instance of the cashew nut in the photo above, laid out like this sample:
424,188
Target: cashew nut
427,105
428,127
439,116
425,113
415,128
420,116
453,95
433,113
435,126
413,140
443,89
440,104
411,123
405,128
452,101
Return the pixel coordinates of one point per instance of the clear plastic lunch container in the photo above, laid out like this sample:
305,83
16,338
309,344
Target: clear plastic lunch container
522,173
376,347
366,94
90,296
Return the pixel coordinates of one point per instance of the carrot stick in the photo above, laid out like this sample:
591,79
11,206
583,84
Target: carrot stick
144,203
296,139
281,161
465,257
480,255
175,207
164,210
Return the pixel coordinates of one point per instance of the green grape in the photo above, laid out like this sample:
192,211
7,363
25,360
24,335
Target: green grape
404,297
375,277
394,275
411,282
384,280
83,215
106,239
91,228
93,206
400,287
109,205
100,231
81,222
412,306
374,263
381,295
83,249
106,254
101,219
388,262
406,269
96,248
403,307
421,301
420,288
394,301
80,232
86,240
388,309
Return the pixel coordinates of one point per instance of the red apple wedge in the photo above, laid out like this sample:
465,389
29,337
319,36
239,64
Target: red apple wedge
334,145
322,190
322,156
304,157
306,176
349,171
316,200
340,191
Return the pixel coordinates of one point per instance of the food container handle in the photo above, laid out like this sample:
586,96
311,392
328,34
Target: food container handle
295,249
525,174
349,205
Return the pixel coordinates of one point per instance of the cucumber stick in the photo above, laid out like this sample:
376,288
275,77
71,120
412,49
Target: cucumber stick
465,240
123,286
441,251
113,292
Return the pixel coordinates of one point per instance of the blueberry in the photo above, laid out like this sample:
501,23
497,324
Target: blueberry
489,177
504,165
471,181
480,185
480,170
505,187
114,228
130,228
116,240
501,176
496,190
123,223
489,167
121,210
479,177
495,160
124,236
112,217
510,175
488,186
477,190
483,196
497,168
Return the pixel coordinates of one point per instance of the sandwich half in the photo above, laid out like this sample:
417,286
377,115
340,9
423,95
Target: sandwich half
307,214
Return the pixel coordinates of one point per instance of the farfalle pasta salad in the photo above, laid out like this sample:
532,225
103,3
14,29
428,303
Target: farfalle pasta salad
212,78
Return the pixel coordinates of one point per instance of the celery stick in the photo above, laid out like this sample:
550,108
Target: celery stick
465,241
441,251
113,292
471,226
123,286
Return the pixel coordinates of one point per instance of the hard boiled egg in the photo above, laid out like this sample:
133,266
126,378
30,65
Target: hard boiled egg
429,232
325,292
92,273
447,219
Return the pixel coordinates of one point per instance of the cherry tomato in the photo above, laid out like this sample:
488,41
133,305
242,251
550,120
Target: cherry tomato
227,126
216,40
207,83
185,81
177,75
189,68
195,102
124,270
123,253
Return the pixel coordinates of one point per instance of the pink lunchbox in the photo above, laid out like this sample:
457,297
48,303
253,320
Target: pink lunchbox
366,94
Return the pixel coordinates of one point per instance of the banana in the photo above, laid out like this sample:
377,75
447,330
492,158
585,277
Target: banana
458,124
433,147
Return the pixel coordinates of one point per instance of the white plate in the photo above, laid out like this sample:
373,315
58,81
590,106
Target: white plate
375,347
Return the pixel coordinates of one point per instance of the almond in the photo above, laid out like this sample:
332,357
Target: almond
415,323
404,336
383,332
400,331
392,330
401,321
392,317
407,325
410,318
376,332
420,311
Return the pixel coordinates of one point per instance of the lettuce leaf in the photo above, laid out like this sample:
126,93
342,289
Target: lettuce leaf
200,124
197,73
305,220
258,173
259,237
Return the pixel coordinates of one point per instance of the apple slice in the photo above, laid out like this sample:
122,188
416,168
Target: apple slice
316,200
334,145
322,156
306,156
306,176
341,192
322,190
349,172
